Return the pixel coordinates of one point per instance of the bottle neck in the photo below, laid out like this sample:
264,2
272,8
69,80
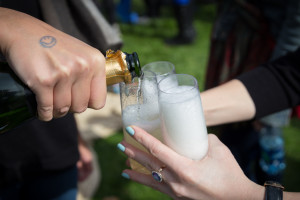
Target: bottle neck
133,64
121,67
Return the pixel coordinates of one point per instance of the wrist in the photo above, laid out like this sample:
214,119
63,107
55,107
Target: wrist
255,192
247,190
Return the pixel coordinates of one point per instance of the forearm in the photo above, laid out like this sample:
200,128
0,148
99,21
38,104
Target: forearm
4,18
18,27
227,103
291,195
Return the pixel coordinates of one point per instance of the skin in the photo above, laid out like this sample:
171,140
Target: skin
85,162
222,105
68,76
215,177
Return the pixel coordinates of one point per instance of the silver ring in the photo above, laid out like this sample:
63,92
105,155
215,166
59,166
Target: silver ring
157,175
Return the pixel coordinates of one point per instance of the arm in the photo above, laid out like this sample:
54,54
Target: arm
265,90
64,73
217,176
222,104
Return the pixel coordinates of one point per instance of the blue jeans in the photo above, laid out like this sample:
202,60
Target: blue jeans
61,185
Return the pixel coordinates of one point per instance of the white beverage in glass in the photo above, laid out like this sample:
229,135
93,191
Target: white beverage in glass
183,123
137,115
139,102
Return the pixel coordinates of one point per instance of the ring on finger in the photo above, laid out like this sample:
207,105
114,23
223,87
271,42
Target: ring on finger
157,174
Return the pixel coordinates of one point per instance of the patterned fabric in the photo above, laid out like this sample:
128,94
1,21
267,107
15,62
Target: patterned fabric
241,41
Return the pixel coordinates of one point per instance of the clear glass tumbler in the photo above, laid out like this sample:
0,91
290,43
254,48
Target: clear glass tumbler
160,68
139,104
182,119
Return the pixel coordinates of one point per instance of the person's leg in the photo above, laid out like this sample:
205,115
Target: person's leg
183,10
60,185
125,13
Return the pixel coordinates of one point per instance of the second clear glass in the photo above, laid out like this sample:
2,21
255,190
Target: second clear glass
183,124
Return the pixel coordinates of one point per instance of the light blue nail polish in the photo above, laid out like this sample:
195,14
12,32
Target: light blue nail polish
121,147
130,130
125,175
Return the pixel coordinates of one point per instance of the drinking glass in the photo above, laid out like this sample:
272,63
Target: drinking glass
160,68
182,120
139,104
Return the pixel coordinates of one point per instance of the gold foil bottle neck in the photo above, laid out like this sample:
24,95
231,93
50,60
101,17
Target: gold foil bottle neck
116,68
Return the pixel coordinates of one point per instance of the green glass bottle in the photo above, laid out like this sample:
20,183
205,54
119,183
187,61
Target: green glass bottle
17,101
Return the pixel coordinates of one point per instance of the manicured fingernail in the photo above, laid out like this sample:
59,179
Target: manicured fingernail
121,147
125,175
130,130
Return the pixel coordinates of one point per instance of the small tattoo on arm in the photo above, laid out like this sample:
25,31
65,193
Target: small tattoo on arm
47,41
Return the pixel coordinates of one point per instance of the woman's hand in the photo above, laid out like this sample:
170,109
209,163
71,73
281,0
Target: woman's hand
64,73
216,176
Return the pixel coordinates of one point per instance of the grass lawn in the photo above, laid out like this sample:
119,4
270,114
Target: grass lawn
148,42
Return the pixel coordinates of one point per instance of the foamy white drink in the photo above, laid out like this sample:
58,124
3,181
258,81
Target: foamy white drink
143,117
140,107
183,123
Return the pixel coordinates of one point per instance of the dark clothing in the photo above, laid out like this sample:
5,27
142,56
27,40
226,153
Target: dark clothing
61,185
36,148
274,86
247,34
30,7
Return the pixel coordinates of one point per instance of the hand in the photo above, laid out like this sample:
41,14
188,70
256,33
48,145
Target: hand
216,176
84,164
64,73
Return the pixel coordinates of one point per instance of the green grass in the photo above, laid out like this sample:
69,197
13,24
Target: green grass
292,148
148,42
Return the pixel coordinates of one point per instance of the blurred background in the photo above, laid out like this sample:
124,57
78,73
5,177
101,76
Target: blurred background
149,35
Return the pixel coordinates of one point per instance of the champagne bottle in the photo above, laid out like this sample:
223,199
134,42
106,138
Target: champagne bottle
17,101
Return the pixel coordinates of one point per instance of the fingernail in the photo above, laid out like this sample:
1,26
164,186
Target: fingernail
125,175
64,110
130,130
121,147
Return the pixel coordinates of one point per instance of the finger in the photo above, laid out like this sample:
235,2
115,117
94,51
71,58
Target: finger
80,94
163,153
127,163
79,165
98,85
44,99
142,157
62,98
147,180
143,179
